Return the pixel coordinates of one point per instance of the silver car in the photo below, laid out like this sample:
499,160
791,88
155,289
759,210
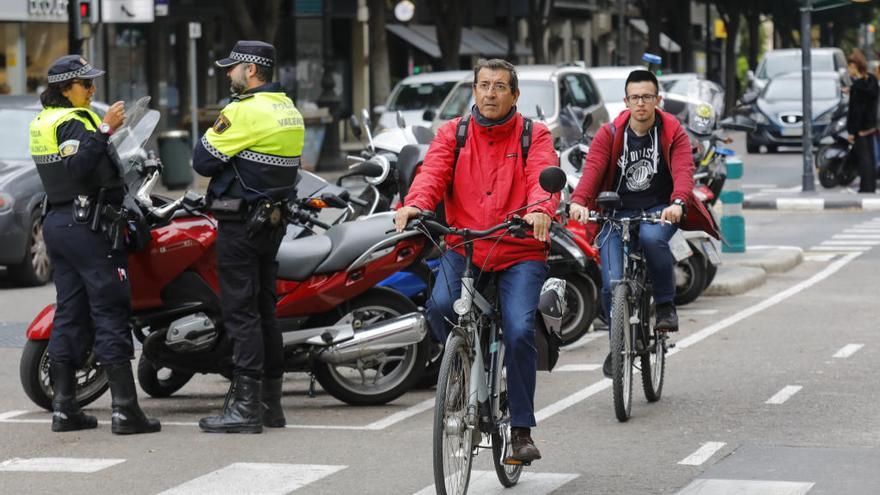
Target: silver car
415,94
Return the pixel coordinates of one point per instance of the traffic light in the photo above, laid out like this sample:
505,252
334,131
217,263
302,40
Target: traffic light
85,11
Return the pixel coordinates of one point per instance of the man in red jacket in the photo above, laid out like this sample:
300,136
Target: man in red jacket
645,156
489,182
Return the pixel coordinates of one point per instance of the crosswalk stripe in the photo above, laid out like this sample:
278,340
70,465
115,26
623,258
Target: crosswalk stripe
697,312
848,350
586,339
861,231
57,464
702,454
246,478
578,367
784,394
841,249
485,482
746,487
850,235
850,242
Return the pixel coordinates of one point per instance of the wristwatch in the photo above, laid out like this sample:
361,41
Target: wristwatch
105,129
680,202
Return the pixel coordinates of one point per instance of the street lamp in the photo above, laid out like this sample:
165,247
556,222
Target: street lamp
810,6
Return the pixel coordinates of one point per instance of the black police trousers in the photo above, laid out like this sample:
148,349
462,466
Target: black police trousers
247,271
93,301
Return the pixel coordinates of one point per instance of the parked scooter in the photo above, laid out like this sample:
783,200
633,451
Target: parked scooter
835,163
364,345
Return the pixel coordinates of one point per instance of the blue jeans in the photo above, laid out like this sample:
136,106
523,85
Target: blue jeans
519,289
654,240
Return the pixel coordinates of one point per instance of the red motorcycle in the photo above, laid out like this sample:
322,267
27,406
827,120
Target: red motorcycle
364,345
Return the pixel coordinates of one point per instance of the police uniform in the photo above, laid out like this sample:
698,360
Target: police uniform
93,302
252,155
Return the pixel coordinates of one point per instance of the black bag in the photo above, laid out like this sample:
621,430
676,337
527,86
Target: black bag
228,208
547,343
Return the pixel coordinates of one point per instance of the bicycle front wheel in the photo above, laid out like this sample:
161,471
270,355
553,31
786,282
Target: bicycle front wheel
654,359
508,474
453,443
621,352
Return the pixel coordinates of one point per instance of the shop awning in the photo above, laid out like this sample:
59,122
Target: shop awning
477,41
666,42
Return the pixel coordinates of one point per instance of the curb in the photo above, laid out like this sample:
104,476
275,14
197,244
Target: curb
740,273
735,280
812,204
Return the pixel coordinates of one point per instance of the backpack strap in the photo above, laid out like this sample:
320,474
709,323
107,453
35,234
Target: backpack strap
461,131
526,139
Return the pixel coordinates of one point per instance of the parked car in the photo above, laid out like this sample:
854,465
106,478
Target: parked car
783,61
546,87
611,82
778,111
415,94
22,249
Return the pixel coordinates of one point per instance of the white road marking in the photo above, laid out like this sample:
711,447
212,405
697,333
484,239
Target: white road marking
850,242
401,415
782,189
702,454
841,249
11,414
800,204
58,464
485,482
601,385
586,339
697,312
861,230
784,394
578,367
819,257
856,236
746,487
244,478
848,350
758,186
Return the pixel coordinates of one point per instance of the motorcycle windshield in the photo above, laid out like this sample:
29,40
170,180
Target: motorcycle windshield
127,143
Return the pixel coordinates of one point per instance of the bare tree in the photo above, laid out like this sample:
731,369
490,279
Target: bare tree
380,72
539,20
255,20
449,17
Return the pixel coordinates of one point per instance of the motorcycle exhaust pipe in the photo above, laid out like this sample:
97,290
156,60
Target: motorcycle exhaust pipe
387,335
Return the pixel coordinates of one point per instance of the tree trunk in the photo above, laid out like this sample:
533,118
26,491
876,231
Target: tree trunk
682,30
539,11
449,17
653,15
243,19
753,20
730,81
380,72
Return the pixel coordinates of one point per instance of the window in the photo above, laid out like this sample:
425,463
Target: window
419,96
575,91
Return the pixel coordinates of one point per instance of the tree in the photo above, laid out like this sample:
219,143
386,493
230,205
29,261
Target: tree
539,20
255,20
681,32
449,17
380,72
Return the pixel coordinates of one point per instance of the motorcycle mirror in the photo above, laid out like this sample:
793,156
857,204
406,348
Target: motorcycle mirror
365,117
355,125
367,169
401,122
552,179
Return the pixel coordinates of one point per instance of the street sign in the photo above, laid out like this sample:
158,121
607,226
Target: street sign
195,30
127,11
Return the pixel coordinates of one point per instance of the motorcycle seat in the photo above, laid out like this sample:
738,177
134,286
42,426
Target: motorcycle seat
352,239
297,259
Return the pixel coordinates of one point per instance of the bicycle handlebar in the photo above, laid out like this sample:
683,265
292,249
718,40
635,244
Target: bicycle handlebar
599,217
516,225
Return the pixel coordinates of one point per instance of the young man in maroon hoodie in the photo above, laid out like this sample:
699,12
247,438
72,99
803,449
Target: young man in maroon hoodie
644,156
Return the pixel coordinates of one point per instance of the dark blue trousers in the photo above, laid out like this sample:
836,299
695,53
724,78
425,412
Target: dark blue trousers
519,289
93,301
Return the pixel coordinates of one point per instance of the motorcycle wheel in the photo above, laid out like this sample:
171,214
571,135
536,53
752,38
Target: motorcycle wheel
582,306
91,380
378,379
827,177
690,279
846,176
711,270
160,382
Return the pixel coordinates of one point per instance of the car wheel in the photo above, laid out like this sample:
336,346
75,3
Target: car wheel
772,148
36,268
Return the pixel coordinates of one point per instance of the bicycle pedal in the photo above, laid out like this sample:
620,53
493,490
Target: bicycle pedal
514,462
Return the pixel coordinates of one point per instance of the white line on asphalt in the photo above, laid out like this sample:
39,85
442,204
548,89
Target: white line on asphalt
746,487
848,350
586,339
861,230
758,186
856,236
578,367
762,247
601,385
850,242
841,249
782,189
871,204
697,312
532,483
11,414
58,465
819,257
400,416
255,478
702,454
784,394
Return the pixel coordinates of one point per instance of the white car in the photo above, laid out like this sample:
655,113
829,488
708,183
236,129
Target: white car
415,94
612,82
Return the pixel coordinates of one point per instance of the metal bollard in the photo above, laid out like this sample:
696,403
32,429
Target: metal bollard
733,224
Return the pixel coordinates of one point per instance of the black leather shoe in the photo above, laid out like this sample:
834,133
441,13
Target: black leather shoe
242,411
606,367
667,318
66,414
270,400
127,417
523,450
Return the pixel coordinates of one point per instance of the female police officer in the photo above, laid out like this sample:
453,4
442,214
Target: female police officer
68,143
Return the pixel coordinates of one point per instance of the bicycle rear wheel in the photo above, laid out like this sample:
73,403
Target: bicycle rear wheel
453,439
621,352
654,360
508,474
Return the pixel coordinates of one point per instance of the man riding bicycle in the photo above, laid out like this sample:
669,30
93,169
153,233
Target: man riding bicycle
481,181
644,156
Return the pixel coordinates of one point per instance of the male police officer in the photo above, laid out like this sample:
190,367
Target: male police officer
252,156
68,142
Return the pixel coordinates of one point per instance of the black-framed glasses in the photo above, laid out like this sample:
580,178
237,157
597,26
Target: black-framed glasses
86,83
637,98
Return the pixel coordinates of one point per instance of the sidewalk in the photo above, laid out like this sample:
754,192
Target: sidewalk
821,199
742,272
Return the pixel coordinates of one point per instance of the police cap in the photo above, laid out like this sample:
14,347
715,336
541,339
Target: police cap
251,52
71,67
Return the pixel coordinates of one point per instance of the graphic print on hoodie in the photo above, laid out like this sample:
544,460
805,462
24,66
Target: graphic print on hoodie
642,176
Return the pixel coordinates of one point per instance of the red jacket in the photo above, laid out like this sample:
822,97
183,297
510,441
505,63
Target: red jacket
491,182
599,169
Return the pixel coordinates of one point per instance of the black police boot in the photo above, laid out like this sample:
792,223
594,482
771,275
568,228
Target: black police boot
127,417
667,318
242,411
270,399
523,450
66,414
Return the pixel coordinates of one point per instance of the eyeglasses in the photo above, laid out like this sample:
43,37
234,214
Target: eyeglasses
637,98
86,83
499,88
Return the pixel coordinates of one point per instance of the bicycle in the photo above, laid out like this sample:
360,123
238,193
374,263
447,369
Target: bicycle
632,329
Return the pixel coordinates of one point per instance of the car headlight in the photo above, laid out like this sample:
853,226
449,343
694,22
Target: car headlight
6,203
